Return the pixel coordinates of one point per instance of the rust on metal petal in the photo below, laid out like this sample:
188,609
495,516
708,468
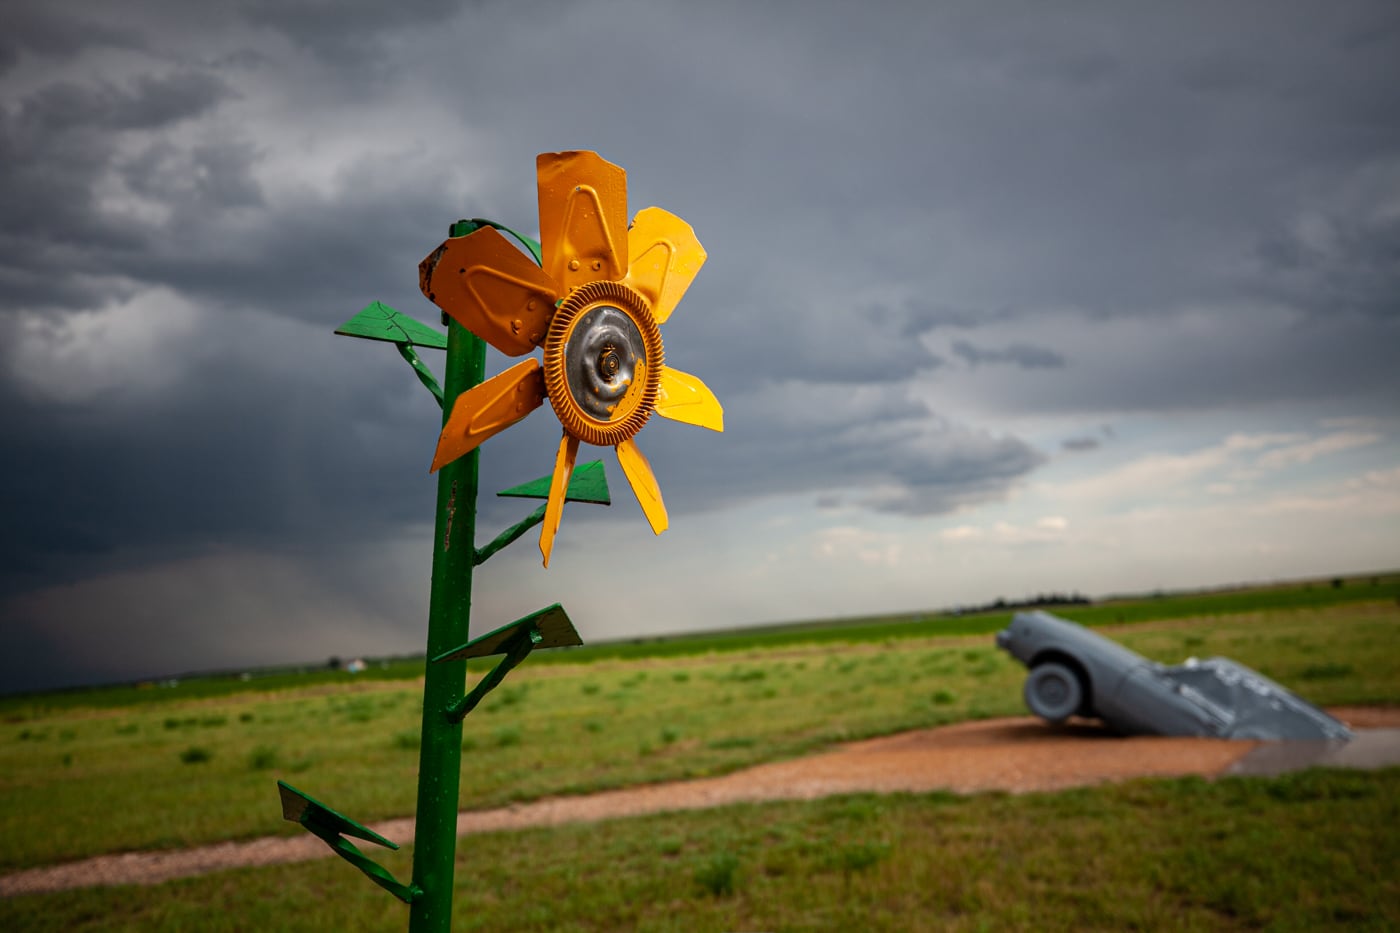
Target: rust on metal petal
492,289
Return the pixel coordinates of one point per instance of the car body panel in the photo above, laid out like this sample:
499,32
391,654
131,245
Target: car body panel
1133,695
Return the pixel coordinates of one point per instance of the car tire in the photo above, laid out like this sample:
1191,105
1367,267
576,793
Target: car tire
1053,691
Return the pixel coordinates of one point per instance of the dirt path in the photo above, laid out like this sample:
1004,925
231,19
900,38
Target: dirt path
1016,755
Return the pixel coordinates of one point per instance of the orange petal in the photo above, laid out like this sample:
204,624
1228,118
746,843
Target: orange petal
665,257
583,217
683,397
488,409
490,288
643,482
558,488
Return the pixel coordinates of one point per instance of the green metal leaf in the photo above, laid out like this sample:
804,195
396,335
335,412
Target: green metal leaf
552,623
302,808
332,828
588,483
378,321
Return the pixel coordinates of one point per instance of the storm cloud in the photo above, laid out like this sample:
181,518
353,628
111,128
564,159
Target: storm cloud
928,226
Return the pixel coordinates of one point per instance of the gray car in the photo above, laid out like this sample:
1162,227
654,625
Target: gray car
1074,671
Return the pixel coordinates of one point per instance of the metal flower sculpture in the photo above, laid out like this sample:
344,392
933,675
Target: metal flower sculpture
595,304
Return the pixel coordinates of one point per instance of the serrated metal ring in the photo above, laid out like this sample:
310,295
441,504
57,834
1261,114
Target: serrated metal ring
602,363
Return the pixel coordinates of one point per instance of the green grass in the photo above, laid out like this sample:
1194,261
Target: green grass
84,781
1308,851
205,687
1311,594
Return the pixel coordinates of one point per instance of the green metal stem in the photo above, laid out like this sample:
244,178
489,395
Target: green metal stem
449,611
372,869
519,650
507,537
421,370
464,227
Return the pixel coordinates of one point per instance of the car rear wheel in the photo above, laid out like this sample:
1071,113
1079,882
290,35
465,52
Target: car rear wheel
1053,691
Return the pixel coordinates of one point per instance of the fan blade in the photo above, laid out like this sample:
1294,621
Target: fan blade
665,257
558,488
490,288
583,217
488,409
683,397
643,482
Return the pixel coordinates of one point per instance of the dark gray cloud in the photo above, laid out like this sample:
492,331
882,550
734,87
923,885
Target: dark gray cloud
1204,361
1081,444
358,30
43,30
155,101
214,177
872,444
1204,197
822,342
1347,260
290,447
61,247
919,316
1023,355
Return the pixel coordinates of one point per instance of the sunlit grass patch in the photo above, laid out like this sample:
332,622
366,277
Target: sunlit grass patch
579,727
1149,855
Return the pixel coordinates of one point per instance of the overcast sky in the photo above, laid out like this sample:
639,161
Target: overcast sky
1000,298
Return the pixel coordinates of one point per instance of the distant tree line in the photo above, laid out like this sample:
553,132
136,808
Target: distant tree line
1031,602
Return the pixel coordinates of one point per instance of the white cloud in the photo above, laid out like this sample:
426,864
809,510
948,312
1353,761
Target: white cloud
860,544
1377,479
128,346
962,533
1228,467
1310,450
1044,530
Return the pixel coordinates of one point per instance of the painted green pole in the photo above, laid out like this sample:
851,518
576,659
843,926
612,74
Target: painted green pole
449,614
449,610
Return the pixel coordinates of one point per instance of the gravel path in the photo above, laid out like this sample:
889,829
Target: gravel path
1016,755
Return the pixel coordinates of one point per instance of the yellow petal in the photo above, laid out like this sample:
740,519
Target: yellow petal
488,409
583,217
490,288
683,397
558,489
665,257
643,482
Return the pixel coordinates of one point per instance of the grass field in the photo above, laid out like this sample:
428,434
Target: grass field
1313,594
1309,851
78,779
